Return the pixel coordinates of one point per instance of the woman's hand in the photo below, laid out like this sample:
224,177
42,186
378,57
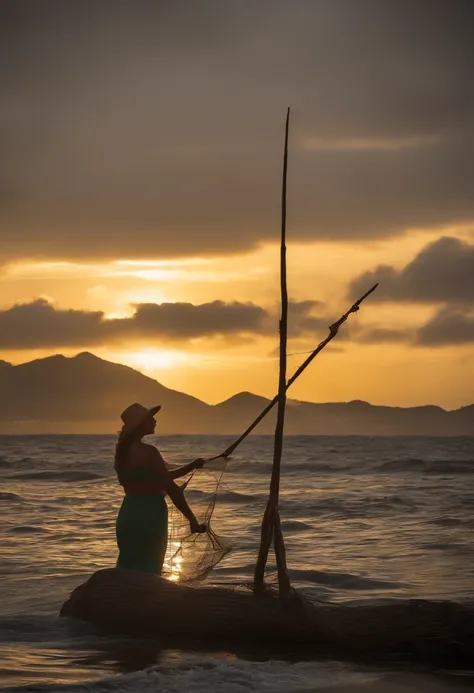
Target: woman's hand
190,467
196,527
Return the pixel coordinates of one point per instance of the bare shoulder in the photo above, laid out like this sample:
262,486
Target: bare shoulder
149,449
152,453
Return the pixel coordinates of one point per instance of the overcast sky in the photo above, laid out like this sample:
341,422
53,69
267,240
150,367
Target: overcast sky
151,132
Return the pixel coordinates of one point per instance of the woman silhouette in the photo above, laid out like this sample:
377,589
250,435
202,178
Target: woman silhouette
142,522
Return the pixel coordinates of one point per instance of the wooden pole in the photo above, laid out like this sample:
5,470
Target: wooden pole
271,526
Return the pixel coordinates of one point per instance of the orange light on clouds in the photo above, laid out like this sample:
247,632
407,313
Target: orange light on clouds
184,262
202,271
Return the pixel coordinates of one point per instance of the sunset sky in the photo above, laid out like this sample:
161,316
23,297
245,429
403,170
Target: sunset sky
140,185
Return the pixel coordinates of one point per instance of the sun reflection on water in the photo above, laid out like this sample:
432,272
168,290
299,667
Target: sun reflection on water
173,565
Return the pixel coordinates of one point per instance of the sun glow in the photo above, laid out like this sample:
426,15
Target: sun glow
151,360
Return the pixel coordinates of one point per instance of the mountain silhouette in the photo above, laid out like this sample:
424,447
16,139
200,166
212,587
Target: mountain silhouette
85,394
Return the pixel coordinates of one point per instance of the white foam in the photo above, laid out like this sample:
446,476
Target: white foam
229,675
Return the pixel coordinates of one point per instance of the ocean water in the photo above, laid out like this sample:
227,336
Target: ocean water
365,520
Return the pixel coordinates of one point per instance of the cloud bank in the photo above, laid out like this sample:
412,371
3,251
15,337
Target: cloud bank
40,324
132,129
443,272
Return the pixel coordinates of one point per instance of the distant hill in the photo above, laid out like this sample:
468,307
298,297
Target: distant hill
85,394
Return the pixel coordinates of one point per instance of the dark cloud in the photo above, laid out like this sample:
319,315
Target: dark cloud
302,318
186,321
40,324
448,327
443,272
381,335
137,128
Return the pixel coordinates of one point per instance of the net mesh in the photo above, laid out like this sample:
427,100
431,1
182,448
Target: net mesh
191,557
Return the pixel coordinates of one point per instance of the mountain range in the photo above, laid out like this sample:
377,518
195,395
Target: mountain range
85,394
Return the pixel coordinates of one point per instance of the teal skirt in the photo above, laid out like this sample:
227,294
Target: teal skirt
142,533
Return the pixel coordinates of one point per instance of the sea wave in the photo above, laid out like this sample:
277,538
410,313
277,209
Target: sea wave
236,498
428,466
319,467
291,467
231,497
28,529
33,628
246,467
343,581
453,547
451,522
200,674
56,475
348,508
296,526
4,496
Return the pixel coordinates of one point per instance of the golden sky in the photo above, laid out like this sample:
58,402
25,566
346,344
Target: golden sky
140,193
213,365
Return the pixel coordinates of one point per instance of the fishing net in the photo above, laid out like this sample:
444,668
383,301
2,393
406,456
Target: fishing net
191,557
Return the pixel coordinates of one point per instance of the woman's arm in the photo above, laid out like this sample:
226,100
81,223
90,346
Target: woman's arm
177,496
182,471
173,490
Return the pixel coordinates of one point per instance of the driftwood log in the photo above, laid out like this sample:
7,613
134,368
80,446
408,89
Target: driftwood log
441,633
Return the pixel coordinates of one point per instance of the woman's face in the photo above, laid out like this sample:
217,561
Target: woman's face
149,425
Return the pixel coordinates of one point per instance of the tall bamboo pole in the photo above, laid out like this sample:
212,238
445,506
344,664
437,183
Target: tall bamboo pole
271,526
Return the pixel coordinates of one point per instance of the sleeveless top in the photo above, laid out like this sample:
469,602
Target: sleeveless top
139,481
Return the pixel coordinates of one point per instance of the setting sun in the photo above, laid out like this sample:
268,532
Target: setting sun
152,360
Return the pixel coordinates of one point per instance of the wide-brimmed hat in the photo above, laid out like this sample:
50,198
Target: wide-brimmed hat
134,415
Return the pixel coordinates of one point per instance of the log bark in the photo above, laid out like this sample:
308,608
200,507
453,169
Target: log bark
124,601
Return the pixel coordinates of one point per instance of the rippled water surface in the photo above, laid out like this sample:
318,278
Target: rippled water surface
364,519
